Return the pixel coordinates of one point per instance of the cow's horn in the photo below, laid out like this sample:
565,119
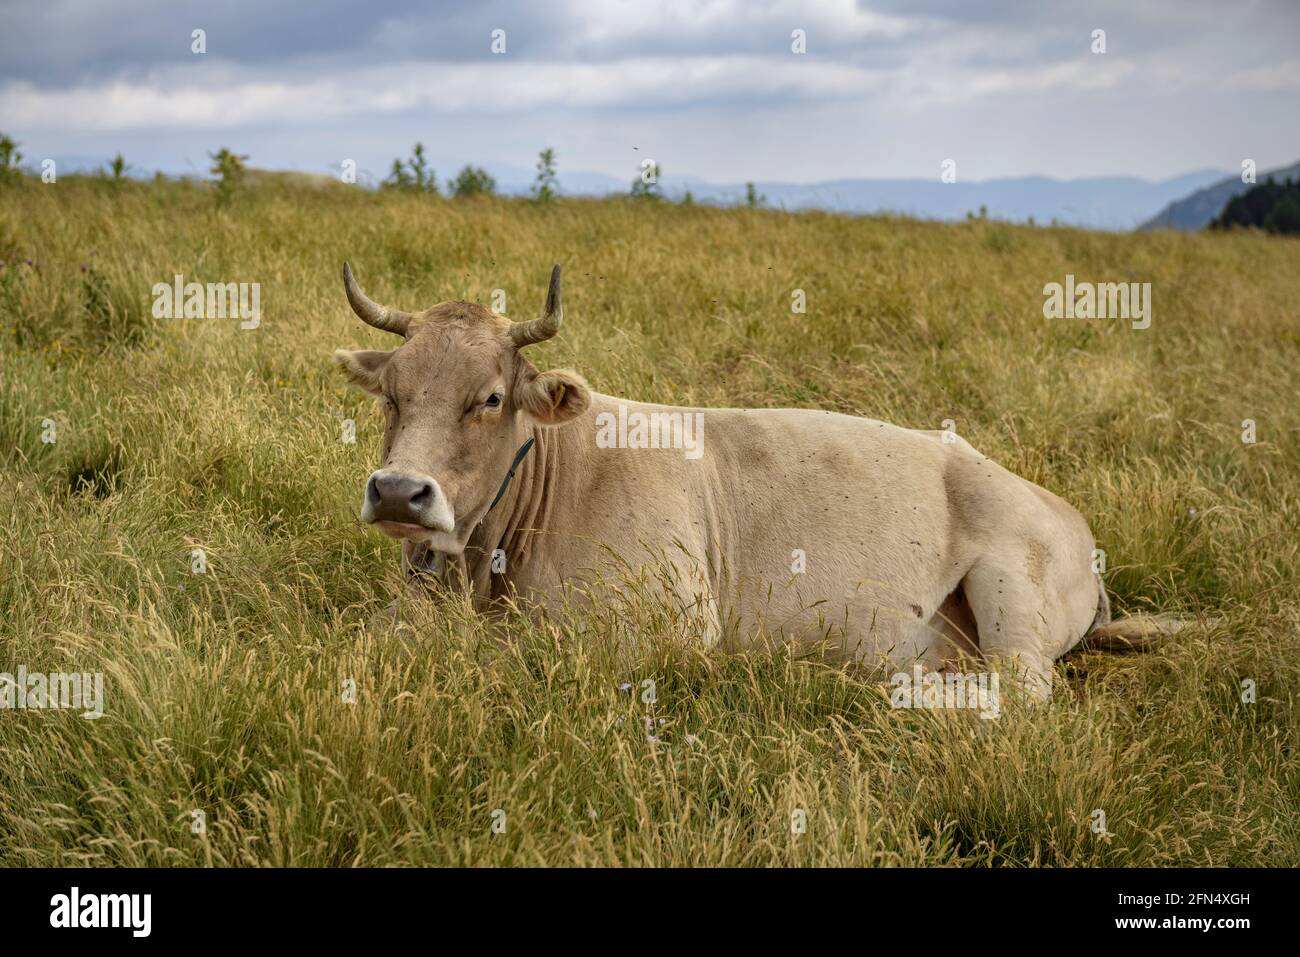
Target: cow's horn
539,330
371,312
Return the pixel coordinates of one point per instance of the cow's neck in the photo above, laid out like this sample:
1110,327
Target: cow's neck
522,516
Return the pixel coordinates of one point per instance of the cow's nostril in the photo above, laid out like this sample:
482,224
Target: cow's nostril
401,498
393,499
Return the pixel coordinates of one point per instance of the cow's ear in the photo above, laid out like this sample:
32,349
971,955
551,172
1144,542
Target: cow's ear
554,397
362,367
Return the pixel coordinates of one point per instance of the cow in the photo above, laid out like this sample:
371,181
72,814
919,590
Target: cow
888,546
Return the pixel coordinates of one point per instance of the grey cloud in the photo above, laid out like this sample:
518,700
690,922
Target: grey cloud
886,87
69,42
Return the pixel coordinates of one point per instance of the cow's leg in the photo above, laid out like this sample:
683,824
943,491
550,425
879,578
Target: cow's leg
1015,623
691,593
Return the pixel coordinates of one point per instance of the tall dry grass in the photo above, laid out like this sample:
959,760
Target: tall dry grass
224,689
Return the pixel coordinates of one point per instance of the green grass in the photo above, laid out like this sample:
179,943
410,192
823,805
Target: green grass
224,690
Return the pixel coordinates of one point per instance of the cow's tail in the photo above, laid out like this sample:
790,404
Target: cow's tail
1132,632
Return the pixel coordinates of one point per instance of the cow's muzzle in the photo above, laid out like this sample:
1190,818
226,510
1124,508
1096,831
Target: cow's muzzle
406,505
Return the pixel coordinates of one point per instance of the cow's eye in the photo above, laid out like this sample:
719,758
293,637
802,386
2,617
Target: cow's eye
493,401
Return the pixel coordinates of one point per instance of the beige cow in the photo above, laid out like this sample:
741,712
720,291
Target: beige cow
893,545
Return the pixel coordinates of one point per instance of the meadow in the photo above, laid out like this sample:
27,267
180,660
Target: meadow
253,694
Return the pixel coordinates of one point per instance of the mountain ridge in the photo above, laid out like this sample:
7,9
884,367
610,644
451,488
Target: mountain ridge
1199,209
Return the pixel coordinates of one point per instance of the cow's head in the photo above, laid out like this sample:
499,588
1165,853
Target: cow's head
460,400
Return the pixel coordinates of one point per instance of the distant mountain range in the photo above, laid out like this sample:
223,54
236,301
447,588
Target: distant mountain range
1188,201
1199,209
1109,202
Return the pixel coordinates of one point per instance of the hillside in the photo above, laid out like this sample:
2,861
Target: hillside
226,690
1199,209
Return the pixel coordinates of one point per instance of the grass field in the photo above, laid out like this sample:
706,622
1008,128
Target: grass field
223,689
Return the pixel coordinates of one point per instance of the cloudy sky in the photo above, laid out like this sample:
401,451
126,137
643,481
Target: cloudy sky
710,88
